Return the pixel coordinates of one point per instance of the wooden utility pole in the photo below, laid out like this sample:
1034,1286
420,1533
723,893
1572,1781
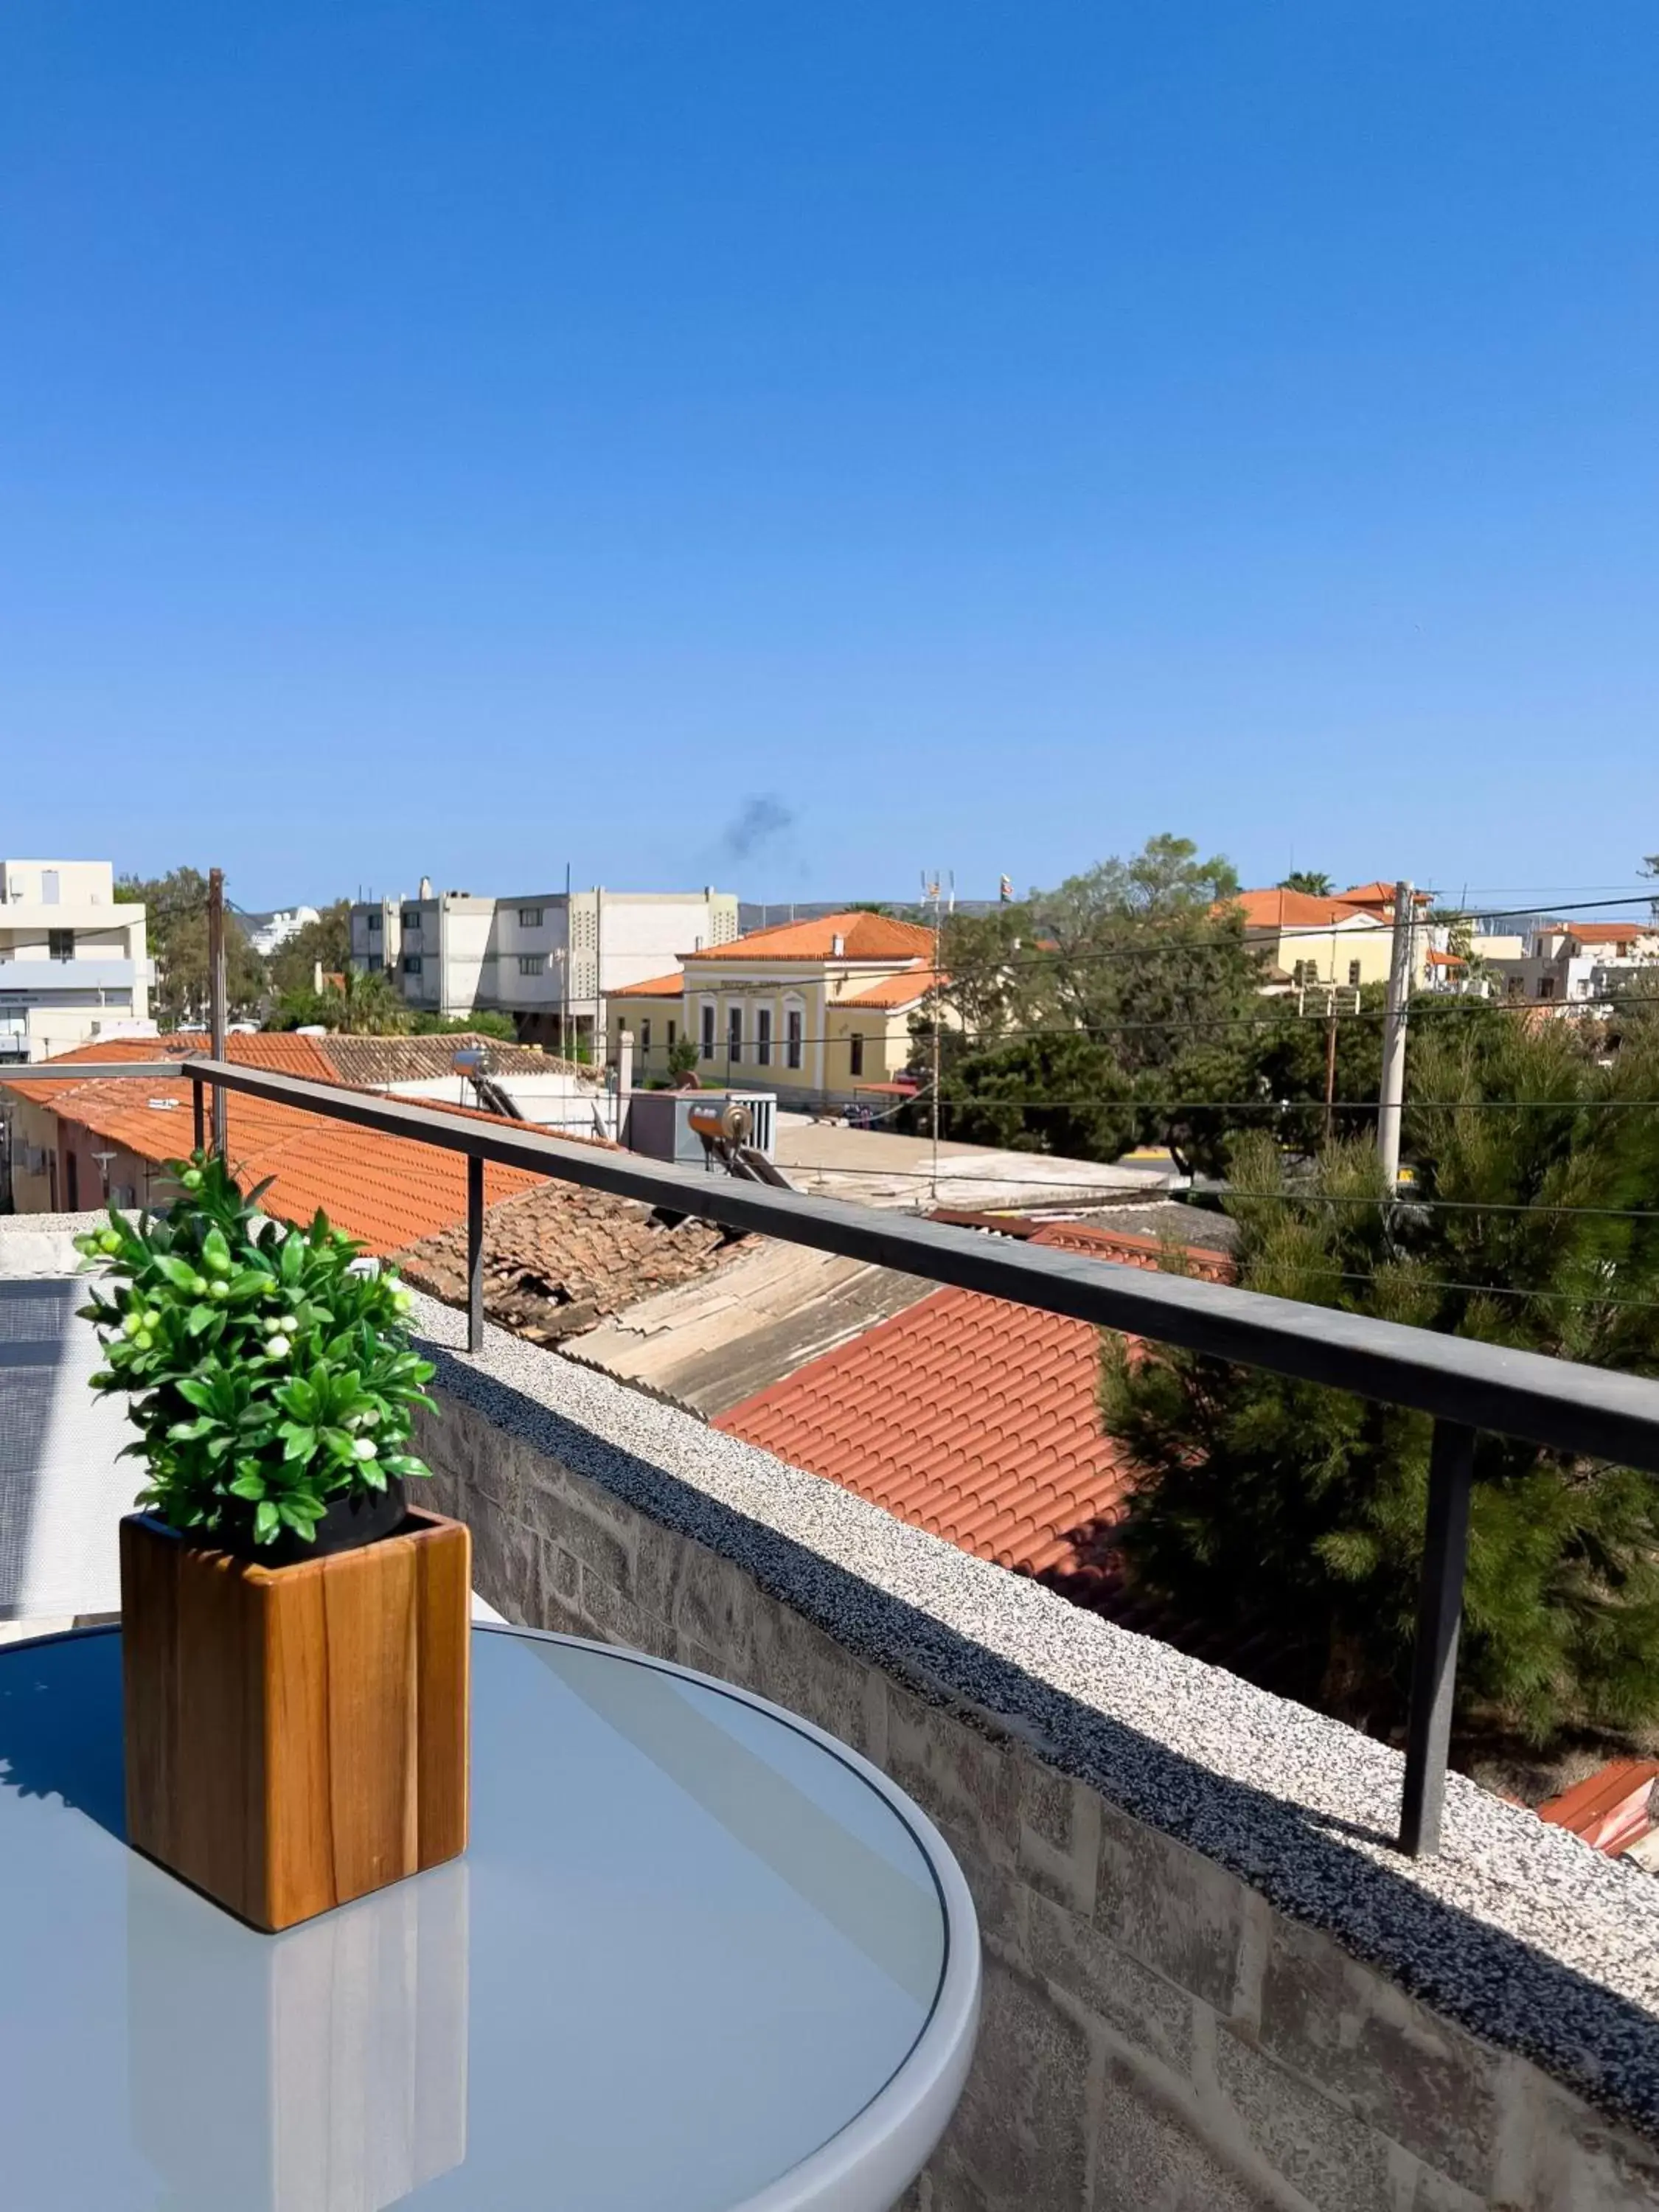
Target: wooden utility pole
1391,1102
215,937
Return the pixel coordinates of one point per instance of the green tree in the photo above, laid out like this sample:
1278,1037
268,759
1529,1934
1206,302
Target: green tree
176,934
682,1057
482,1023
1309,880
368,1007
1066,1095
1266,1504
325,944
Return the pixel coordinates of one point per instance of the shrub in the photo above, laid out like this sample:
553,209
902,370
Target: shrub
269,1377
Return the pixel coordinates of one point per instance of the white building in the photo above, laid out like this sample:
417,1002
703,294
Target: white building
274,931
548,959
73,963
1582,963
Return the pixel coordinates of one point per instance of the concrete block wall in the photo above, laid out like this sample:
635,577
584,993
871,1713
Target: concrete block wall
1157,2034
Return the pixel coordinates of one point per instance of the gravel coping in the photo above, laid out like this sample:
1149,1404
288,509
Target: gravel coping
1517,1930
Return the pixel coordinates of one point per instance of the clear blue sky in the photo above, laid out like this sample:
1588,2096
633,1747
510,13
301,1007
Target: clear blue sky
461,435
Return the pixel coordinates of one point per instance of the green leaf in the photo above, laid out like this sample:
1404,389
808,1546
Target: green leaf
299,1399
216,1250
293,1259
179,1273
198,1319
250,1283
187,1432
302,1523
266,1522
195,1391
370,1474
299,1442
250,1484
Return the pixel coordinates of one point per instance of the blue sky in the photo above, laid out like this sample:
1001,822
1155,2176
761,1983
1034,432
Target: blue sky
456,437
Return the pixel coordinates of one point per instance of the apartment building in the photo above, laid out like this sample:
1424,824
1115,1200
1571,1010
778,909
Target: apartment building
1583,964
73,962
550,959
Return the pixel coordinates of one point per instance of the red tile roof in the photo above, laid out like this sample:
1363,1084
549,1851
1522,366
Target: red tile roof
387,1192
864,936
283,1052
1279,909
969,1416
1609,1809
1610,933
905,989
656,987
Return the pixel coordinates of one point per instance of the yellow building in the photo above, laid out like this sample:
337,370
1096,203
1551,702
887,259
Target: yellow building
1347,940
820,1008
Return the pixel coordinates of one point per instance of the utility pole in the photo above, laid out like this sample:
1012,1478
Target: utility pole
932,891
1330,1071
215,936
1393,1096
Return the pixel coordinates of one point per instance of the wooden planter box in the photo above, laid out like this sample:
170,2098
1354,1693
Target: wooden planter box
296,1736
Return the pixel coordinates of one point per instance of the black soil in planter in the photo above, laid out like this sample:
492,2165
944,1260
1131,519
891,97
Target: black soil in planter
353,1518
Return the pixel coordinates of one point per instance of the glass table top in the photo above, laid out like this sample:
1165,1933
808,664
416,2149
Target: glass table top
688,1945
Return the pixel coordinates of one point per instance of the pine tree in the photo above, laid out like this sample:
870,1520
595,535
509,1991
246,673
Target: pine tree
1265,1503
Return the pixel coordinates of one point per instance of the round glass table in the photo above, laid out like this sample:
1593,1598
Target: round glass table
699,1956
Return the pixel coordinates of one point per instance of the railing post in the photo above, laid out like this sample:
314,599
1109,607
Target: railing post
198,1115
1439,1614
475,1287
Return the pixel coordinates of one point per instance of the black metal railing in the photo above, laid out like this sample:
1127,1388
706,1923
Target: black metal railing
1464,1386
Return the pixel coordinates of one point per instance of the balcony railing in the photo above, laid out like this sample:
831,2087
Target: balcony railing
1464,1386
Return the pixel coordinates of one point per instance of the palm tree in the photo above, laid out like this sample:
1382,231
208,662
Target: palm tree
372,1006
1305,879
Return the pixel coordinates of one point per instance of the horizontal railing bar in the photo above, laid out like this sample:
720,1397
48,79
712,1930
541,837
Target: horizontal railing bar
1560,1404
88,1071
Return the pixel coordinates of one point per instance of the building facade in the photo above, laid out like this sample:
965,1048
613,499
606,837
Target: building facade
551,960
1580,963
818,1009
73,961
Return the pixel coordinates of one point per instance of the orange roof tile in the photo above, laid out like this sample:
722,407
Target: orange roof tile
969,1416
864,936
1279,909
1610,933
387,1192
1608,1809
657,986
284,1052
904,989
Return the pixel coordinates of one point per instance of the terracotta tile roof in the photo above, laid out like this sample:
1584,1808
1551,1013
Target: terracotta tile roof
370,1061
1277,909
283,1052
969,1416
906,988
387,1192
1435,959
656,987
1609,1809
864,936
1610,933
562,1258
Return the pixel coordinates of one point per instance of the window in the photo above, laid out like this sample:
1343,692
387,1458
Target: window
411,963
60,946
707,1031
856,1052
1516,987
374,922
1546,987
733,1033
763,1037
49,898
533,964
411,917
530,917
376,963
793,1037
673,1033
645,1039
1353,975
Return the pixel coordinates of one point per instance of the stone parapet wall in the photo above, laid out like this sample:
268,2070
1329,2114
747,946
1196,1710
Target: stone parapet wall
1172,2019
